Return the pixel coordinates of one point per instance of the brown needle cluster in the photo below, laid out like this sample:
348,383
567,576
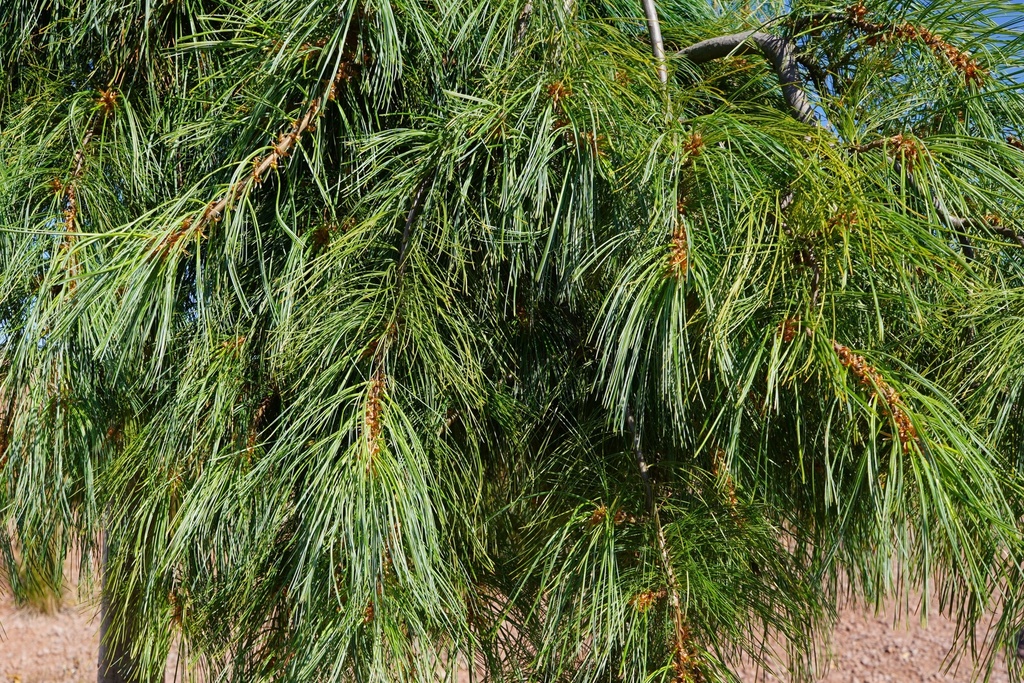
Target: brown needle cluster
869,376
262,416
177,603
694,145
788,328
687,659
321,237
721,473
107,101
182,233
374,410
678,251
347,70
642,602
559,91
595,143
621,517
898,145
845,219
591,141
234,344
601,513
856,17
70,212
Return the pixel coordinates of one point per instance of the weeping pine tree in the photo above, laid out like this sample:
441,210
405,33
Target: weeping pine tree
544,340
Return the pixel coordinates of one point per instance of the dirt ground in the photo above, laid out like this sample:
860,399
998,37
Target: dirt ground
61,648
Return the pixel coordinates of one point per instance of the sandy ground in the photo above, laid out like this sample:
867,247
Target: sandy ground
869,648
61,648
46,648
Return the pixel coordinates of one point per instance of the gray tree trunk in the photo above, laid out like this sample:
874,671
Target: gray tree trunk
115,663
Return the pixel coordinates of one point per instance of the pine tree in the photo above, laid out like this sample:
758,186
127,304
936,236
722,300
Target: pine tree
582,340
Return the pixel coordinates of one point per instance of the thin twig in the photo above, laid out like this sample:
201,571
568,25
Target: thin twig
805,23
678,618
960,225
1008,233
105,105
812,260
79,157
657,44
641,462
414,211
874,144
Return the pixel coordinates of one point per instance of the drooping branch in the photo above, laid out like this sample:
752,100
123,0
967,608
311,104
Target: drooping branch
106,102
869,376
906,148
379,347
414,212
961,225
286,142
1008,233
780,52
805,255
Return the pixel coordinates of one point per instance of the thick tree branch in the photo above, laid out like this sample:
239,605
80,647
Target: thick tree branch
814,70
965,245
778,51
524,21
781,53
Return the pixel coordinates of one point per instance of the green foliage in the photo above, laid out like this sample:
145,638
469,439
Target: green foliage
378,338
